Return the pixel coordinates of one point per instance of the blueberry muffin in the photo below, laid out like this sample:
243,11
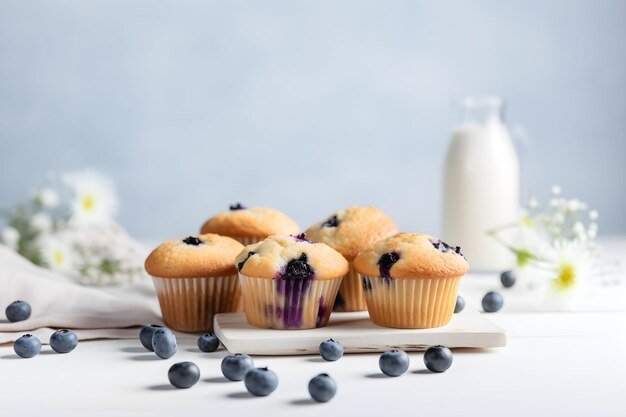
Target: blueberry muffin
288,282
250,225
410,280
349,232
195,278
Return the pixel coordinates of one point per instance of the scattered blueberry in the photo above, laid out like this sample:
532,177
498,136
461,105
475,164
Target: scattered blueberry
331,350
184,374
192,240
394,362
236,206
63,341
460,304
260,381
322,388
437,358
145,335
27,346
298,268
492,302
332,221
234,367
208,342
385,263
508,278
164,343
18,311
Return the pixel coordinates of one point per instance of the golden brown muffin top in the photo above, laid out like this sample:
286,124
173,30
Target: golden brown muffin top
406,255
257,222
291,256
352,230
206,255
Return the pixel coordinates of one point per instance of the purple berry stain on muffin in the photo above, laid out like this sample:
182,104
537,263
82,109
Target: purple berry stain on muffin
236,206
321,313
301,238
293,282
242,263
386,262
442,246
332,221
192,240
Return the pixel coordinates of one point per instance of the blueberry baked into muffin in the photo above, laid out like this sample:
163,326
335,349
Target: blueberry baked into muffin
349,232
410,280
250,225
288,282
195,278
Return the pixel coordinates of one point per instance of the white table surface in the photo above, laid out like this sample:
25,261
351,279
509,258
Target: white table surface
565,363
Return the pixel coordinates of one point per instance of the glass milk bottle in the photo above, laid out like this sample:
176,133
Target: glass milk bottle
482,183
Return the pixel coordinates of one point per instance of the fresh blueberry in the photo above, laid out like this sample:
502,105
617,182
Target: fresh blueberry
192,240
437,358
298,268
460,304
394,362
234,367
508,278
322,388
18,311
63,341
492,302
27,346
164,343
260,381
184,374
331,350
145,335
208,342
385,263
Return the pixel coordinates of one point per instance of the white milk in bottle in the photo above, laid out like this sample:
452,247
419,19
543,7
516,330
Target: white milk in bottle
481,184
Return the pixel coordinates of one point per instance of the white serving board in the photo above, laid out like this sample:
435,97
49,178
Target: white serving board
356,332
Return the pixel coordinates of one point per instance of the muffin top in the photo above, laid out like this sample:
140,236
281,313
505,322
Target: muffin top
352,230
250,222
285,256
406,255
207,255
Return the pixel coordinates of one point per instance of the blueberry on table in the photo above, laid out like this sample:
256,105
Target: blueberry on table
18,311
260,381
146,333
27,346
437,358
234,367
508,278
460,304
164,343
492,302
208,342
331,350
184,374
394,362
63,341
322,388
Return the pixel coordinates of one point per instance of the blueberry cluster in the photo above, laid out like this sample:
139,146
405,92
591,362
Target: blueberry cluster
159,340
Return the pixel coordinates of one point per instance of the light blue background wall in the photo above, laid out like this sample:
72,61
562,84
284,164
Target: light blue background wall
308,106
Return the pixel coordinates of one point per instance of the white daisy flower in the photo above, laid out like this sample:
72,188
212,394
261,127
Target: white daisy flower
47,198
10,237
58,255
41,222
570,264
94,199
593,215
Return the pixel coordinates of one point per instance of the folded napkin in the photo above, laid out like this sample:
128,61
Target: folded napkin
57,302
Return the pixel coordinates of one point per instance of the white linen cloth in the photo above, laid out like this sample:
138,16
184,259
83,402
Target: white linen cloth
57,302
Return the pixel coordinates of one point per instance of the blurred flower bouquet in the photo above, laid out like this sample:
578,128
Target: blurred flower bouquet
68,226
554,244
